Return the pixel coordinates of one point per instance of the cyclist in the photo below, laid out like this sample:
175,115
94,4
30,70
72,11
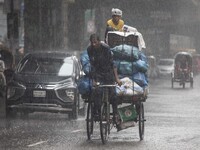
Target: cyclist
103,70
115,23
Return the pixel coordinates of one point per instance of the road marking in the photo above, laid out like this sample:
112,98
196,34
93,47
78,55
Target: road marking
31,145
76,131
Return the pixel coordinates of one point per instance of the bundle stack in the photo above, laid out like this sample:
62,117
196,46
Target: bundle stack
130,61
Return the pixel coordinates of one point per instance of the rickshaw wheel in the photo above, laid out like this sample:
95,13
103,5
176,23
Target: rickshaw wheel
104,122
184,85
141,121
172,83
191,83
90,120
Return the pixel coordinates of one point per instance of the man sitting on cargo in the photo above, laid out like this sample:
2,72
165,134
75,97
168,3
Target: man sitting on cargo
115,23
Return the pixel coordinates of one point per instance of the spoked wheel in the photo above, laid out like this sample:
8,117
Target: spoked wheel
104,122
183,84
90,120
172,83
141,121
191,83
183,80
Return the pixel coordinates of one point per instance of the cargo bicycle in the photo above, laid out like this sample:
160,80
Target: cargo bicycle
126,54
106,117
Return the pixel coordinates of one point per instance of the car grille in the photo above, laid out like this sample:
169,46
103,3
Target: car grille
50,96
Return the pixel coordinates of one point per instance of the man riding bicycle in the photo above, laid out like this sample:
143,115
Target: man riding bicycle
103,70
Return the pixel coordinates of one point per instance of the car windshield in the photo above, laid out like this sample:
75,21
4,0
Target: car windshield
47,66
165,62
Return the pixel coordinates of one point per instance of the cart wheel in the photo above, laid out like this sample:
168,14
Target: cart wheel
183,84
90,120
104,122
191,82
141,121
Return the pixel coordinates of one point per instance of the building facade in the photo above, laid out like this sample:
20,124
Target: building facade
3,21
167,26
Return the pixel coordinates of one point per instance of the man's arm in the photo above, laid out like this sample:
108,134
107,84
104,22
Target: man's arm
117,77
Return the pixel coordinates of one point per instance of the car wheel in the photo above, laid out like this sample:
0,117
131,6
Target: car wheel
9,112
24,114
74,113
82,106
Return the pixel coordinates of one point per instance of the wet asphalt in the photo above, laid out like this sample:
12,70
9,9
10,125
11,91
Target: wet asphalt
172,123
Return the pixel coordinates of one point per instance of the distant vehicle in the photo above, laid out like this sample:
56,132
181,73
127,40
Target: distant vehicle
183,70
45,82
165,66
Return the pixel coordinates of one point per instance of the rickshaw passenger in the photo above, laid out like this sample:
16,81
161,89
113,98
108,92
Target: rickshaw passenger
183,63
102,69
183,67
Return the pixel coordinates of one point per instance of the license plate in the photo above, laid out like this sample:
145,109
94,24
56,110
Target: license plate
39,93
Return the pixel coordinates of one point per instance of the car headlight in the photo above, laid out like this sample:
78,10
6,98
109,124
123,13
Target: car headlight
15,92
10,92
70,93
66,95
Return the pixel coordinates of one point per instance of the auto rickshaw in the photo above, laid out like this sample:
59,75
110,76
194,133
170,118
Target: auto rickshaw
183,72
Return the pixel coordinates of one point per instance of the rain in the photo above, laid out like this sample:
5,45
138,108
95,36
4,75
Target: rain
171,106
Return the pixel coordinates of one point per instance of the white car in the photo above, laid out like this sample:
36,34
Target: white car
165,66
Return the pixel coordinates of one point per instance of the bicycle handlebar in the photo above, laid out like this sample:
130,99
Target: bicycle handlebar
105,85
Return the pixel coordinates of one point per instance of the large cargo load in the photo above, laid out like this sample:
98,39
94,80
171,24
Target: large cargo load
115,38
129,59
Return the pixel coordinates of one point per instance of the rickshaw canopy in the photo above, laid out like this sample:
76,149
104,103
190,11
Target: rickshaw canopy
183,55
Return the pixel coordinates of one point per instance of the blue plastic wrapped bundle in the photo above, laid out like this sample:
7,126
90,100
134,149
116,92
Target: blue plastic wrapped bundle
125,67
84,85
85,62
140,79
142,57
141,66
125,52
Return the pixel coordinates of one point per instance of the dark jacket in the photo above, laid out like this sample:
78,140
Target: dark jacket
102,64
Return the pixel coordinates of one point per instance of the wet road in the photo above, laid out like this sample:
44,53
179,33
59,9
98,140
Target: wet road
172,124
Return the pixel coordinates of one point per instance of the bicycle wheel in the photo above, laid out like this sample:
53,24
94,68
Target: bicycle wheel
172,81
90,120
141,121
104,122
